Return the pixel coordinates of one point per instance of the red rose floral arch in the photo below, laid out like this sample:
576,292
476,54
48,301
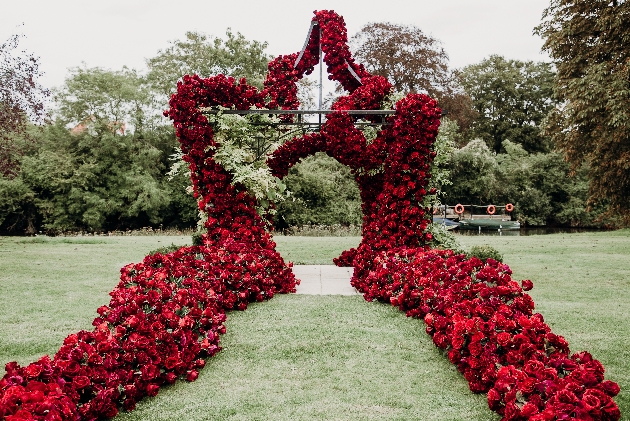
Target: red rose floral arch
167,313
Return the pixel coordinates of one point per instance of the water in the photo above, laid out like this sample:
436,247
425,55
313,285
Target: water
527,231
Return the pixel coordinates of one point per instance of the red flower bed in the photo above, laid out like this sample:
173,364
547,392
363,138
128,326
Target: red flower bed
166,314
484,319
164,318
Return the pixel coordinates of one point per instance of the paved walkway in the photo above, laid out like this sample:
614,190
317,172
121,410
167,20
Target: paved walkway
324,280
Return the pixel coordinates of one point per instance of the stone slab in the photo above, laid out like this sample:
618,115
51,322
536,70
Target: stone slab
324,280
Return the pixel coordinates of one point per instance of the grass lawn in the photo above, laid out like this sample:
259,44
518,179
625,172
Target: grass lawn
320,357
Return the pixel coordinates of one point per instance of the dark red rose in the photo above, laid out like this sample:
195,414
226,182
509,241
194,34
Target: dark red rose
192,375
81,382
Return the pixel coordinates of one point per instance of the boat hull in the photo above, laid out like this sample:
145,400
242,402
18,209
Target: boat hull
488,224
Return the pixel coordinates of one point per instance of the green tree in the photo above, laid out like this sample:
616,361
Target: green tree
537,184
101,164
95,181
18,212
121,100
323,192
588,42
21,100
207,56
511,98
473,174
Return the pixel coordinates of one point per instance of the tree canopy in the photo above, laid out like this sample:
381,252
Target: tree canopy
21,98
588,42
207,56
512,98
107,96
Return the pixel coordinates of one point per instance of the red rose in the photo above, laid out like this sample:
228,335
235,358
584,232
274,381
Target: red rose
150,372
32,370
152,389
527,284
81,382
171,363
192,375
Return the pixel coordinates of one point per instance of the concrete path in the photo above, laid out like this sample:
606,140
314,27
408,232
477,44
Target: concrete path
324,280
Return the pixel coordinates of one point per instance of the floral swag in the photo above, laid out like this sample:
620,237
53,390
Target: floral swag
166,314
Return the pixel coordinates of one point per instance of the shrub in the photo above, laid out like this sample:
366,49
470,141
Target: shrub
166,249
484,253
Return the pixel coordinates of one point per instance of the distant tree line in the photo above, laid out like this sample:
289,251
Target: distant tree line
550,138
102,160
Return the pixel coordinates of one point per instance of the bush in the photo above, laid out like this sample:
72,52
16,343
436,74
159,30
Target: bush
165,250
322,192
484,253
18,214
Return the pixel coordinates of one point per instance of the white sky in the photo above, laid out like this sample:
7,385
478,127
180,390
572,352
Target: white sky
114,33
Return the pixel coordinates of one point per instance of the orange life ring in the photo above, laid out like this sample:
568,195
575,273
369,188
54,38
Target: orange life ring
491,209
509,207
459,208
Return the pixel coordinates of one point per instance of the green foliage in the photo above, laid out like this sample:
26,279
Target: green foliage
588,42
539,185
17,207
165,249
443,238
244,143
473,171
95,182
321,192
444,146
485,252
119,100
511,98
182,210
197,239
207,56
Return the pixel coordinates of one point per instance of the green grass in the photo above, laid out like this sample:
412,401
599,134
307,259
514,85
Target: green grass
51,287
313,250
582,288
320,357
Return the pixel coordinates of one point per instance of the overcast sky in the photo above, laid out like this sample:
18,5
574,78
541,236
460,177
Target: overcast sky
114,33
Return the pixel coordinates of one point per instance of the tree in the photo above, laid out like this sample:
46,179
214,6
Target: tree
101,164
537,184
207,56
588,42
95,181
121,100
323,192
21,99
511,98
473,171
413,62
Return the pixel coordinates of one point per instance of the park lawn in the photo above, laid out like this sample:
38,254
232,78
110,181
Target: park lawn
320,357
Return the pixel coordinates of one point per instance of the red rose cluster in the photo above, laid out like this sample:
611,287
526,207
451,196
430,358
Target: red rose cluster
167,313
484,319
284,73
392,171
161,321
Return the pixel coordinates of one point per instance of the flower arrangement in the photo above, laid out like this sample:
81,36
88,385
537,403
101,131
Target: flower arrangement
485,320
166,314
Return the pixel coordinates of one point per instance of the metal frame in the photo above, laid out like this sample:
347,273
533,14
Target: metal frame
311,126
